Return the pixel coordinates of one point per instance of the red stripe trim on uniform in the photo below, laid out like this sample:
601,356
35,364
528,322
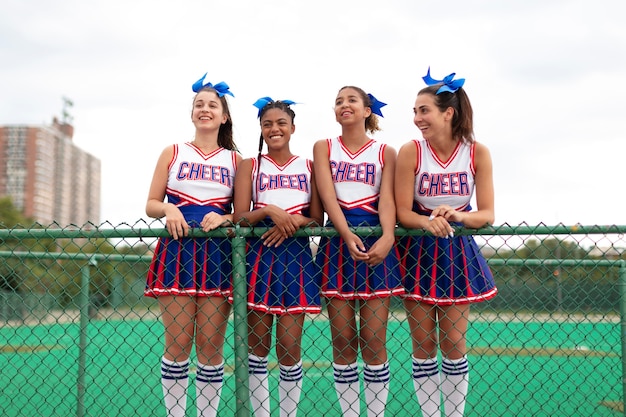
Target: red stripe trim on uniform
156,292
178,263
433,275
281,310
418,147
447,301
363,295
358,203
189,199
358,152
444,164
339,264
155,267
233,156
301,297
472,164
269,283
470,293
205,156
254,273
174,156
418,271
278,166
194,266
205,263
452,269
325,269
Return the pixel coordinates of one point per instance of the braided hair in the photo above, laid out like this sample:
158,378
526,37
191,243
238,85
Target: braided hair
281,105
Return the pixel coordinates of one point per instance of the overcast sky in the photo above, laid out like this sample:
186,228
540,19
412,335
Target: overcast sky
546,79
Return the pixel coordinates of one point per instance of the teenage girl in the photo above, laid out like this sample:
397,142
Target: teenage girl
192,187
355,177
278,190
436,178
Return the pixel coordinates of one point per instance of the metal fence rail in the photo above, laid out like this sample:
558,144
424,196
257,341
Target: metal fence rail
77,337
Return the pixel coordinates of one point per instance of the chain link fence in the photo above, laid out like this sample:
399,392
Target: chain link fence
78,337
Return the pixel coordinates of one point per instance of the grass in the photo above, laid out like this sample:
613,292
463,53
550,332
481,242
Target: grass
527,368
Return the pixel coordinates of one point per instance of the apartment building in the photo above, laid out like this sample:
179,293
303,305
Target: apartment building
47,176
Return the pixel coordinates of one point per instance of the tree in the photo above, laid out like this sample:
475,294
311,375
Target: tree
10,216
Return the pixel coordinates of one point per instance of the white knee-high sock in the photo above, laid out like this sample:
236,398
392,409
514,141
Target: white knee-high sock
348,388
454,384
174,380
259,385
376,387
290,387
209,381
426,381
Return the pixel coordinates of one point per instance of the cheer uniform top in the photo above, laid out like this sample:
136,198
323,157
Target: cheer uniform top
197,184
438,270
357,178
283,279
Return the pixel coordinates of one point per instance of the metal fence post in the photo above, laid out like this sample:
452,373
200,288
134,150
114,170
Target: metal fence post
622,305
83,305
240,294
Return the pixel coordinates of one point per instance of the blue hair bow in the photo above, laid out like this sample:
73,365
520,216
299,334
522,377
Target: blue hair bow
221,88
449,83
376,105
264,101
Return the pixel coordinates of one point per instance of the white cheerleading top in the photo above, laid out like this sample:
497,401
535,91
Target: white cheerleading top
286,186
357,176
200,179
440,182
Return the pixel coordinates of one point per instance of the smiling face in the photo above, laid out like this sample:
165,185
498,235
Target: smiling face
208,112
276,128
350,107
432,122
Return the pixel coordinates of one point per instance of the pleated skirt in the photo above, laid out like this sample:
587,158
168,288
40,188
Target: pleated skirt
283,279
445,271
345,278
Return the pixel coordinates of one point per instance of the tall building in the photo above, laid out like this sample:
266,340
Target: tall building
47,176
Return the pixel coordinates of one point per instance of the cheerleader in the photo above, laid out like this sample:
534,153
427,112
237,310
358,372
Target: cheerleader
443,274
283,280
190,277
355,177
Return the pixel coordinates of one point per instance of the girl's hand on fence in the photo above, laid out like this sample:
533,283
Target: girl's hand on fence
277,235
274,237
448,213
439,226
175,222
212,221
283,220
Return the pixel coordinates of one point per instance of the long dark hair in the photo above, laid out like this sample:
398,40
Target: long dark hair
462,119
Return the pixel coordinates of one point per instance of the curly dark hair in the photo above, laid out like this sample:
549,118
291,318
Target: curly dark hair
371,123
